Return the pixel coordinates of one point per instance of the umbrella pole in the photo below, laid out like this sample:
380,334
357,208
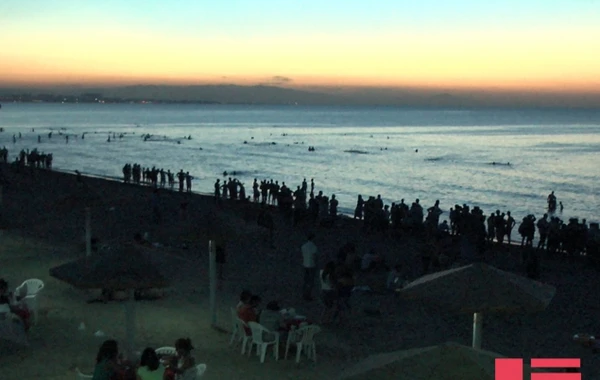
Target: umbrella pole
212,269
477,329
130,323
88,231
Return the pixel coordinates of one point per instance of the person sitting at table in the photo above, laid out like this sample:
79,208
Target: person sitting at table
328,291
107,361
5,296
171,367
271,318
18,309
244,299
247,312
186,364
150,367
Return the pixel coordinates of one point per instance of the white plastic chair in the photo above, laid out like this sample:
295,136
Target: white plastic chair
200,369
166,351
33,286
304,338
244,336
258,339
235,330
82,376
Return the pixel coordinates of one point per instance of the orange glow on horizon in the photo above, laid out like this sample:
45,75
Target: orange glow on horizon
562,61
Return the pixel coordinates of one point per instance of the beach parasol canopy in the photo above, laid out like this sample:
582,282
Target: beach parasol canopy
480,288
120,268
123,268
448,361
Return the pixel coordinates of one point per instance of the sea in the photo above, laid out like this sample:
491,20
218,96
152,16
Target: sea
497,159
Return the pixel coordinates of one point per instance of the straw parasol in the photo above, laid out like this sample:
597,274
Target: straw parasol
448,361
480,288
122,268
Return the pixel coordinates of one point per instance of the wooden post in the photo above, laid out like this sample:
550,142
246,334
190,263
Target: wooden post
212,269
477,330
88,231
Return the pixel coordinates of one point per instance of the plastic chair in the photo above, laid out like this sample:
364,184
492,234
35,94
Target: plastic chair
33,286
82,376
258,339
166,351
235,330
244,336
304,338
200,369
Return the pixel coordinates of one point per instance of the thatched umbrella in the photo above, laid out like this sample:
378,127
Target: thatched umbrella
480,288
122,268
448,361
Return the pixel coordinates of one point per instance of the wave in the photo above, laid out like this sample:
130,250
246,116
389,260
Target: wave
356,151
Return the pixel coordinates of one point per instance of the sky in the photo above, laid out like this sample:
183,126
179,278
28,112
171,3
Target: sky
544,46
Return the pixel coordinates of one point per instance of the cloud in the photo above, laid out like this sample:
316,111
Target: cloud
277,80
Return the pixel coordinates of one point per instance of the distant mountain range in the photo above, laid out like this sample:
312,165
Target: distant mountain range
267,94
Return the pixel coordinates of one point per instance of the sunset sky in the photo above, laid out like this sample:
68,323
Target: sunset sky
542,45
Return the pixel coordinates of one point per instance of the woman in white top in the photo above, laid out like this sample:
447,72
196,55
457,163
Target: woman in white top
328,291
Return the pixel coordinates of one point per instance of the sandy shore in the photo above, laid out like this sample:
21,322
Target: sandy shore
42,226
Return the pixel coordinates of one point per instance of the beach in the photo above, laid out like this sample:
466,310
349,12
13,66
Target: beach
42,225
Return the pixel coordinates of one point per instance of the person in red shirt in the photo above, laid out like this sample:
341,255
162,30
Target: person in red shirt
248,312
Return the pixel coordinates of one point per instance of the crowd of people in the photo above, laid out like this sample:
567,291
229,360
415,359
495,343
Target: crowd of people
302,205
32,158
135,173
271,317
111,364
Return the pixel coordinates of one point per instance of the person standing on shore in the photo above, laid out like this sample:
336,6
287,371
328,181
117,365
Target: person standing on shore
188,182
510,224
217,191
181,178
309,262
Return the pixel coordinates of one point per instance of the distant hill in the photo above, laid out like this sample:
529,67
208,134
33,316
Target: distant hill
323,95
226,94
